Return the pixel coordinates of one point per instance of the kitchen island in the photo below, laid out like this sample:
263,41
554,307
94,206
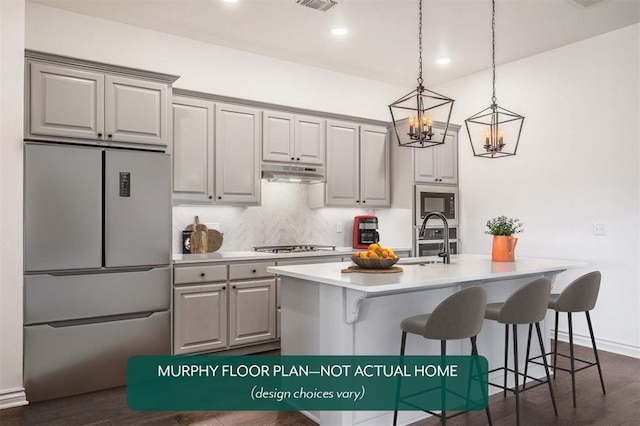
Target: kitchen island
328,312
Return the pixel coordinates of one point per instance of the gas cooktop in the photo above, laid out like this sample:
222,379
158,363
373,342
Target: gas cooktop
293,248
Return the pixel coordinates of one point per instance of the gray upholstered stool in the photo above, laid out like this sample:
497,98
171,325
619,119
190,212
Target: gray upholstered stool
527,305
579,296
459,316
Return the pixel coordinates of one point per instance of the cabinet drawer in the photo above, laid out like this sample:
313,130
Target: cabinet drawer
200,274
243,271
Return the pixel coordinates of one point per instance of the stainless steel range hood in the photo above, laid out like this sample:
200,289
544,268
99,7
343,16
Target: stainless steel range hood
292,174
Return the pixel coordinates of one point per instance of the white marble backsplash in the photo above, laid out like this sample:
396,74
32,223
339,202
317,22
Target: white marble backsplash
283,218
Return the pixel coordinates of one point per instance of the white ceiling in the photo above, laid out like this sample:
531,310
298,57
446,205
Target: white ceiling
382,40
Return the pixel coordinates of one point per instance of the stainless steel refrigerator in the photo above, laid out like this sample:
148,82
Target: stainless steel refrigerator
97,265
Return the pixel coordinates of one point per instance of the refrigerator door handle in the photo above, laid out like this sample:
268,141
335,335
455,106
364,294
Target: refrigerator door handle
85,321
101,271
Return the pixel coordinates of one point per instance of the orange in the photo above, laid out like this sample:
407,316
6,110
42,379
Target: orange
384,254
356,254
364,255
373,255
373,246
391,253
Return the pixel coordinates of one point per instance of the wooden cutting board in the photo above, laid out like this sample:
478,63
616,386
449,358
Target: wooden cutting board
214,240
391,270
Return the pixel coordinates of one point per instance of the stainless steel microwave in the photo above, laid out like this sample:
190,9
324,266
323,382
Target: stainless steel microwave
436,199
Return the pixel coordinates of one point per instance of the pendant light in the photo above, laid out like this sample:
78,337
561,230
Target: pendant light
422,106
494,132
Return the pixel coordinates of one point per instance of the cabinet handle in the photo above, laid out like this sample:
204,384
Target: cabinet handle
219,198
224,287
298,159
210,196
99,135
233,286
109,135
202,274
293,158
254,271
364,201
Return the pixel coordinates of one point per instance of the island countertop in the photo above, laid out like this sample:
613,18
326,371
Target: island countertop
417,276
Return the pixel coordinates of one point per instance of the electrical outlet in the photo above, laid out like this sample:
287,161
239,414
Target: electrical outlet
599,229
339,227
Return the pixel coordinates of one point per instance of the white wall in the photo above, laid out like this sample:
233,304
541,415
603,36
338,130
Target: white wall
206,67
11,112
577,164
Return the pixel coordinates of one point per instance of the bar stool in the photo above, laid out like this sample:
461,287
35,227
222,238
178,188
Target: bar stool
579,296
526,305
459,316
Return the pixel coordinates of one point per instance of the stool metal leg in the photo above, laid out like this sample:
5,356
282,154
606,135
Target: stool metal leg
443,391
595,351
555,346
474,351
526,358
546,369
506,358
573,368
515,369
402,346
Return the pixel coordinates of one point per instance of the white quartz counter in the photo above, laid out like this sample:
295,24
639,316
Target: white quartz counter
417,277
259,256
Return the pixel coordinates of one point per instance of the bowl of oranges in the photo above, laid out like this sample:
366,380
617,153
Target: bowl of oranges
376,257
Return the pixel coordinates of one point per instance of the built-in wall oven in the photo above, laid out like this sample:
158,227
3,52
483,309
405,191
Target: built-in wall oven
435,199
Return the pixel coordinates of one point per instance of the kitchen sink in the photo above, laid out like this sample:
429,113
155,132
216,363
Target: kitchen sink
421,261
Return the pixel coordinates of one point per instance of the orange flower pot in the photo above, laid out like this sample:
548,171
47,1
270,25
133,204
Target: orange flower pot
504,247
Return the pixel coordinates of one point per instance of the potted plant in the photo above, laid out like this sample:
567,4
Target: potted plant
504,243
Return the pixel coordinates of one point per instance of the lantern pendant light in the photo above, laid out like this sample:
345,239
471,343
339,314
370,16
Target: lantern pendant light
494,132
423,107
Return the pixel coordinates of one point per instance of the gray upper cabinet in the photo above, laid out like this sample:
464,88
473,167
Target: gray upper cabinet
237,154
136,111
375,173
193,146
358,167
70,100
343,165
289,138
66,102
439,164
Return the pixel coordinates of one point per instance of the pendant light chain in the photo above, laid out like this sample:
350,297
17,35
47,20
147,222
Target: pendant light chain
493,48
420,45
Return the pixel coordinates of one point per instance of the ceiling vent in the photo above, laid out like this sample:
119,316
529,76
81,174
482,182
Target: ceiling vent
585,3
321,5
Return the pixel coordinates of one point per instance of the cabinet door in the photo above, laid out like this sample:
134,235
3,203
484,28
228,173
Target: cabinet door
448,158
425,164
375,176
193,128
200,318
66,102
136,111
277,136
343,167
252,311
237,154
309,137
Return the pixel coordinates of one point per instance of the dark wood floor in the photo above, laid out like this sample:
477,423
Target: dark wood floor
620,406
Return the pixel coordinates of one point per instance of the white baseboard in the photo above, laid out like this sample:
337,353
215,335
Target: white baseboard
603,344
13,397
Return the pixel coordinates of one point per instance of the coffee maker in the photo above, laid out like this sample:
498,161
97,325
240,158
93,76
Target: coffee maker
365,231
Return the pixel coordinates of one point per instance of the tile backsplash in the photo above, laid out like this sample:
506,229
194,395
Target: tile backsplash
283,218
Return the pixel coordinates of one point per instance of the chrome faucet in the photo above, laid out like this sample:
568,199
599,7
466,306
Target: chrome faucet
444,254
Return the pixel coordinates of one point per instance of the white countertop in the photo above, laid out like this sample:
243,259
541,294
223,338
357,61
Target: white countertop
259,256
414,277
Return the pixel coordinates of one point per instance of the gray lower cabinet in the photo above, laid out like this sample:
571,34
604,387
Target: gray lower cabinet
252,311
200,318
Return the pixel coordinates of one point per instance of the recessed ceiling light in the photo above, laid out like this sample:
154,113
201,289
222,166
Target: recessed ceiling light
230,1
339,31
443,61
